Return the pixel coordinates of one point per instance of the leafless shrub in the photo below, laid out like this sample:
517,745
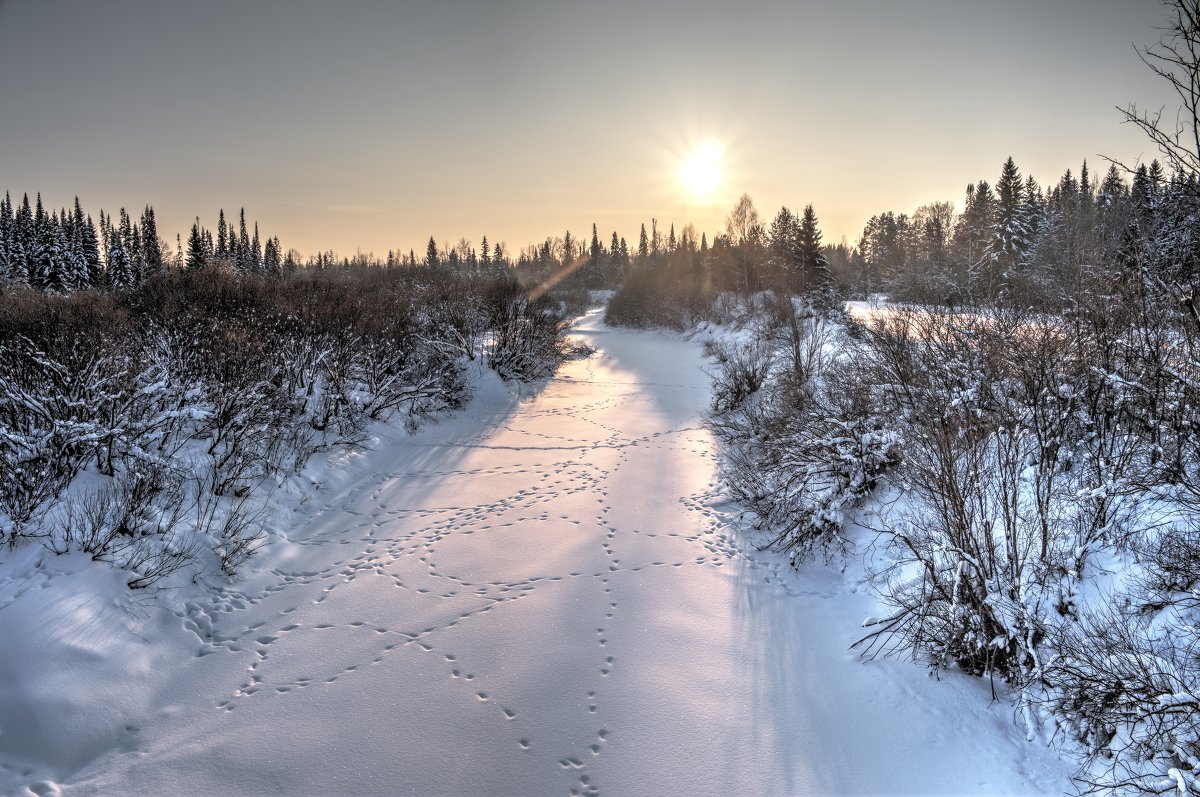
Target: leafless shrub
805,446
228,379
1171,577
136,523
239,532
48,423
741,372
527,338
1125,690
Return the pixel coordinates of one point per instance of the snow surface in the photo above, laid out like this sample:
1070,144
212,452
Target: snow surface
538,596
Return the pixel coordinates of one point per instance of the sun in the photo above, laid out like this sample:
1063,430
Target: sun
701,172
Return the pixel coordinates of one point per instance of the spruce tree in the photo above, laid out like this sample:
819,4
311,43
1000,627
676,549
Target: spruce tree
615,266
126,232
241,258
783,262
222,246
135,249
974,231
72,257
195,250
812,261
152,257
21,243
6,234
568,246
272,259
1011,235
91,253
120,271
45,267
1113,212
431,253
256,255
1085,212
77,259
35,238
56,254
593,272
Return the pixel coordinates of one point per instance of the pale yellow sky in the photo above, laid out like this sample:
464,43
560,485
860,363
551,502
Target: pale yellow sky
373,125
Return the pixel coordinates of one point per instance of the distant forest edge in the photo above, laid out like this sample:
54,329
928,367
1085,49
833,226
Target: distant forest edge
1013,242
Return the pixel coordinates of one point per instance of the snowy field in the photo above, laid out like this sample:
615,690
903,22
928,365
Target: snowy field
538,596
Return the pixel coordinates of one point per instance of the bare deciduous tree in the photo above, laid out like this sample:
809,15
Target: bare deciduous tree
1176,59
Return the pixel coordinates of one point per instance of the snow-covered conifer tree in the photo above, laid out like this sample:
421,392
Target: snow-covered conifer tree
812,260
197,257
256,256
52,268
152,257
6,235
120,270
222,247
90,243
974,231
784,261
241,259
1011,235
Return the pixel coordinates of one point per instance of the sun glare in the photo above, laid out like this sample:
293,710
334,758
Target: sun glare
702,171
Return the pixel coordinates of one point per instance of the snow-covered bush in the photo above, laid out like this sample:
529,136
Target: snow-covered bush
138,522
63,375
1018,450
741,371
527,340
803,444
1125,681
191,391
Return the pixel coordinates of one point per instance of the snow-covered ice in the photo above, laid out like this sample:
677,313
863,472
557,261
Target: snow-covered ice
539,596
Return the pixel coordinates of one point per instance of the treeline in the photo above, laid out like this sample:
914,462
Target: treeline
65,250
1014,244
679,285
236,250
1020,244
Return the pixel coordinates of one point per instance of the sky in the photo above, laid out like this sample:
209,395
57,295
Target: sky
368,125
